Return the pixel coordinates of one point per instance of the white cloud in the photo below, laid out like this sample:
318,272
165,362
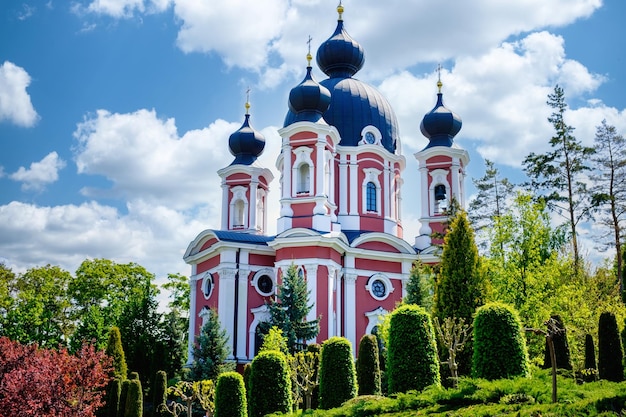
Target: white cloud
40,173
122,9
15,104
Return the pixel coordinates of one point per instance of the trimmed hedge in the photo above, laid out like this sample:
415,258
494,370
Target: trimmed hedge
121,410
337,373
610,352
561,347
368,366
590,353
115,350
412,361
230,396
270,384
159,399
114,390
134,400
499,343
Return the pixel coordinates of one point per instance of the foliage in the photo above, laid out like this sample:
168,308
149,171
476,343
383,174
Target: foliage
337,373
210,351
561,347
114,392
121,410
34,381
159,394
412,361
274,340
270,384
304,376
560,173
368,366
116,352
230,396
134,399
590,353
290,311
499,343
609,190
188,393
610,351
453,334
420,285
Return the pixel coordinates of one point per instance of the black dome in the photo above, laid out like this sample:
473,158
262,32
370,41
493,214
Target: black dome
440,125
340,55
308,100
246,144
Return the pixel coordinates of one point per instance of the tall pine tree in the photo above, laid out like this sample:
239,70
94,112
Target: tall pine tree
289,312
559,173
210,351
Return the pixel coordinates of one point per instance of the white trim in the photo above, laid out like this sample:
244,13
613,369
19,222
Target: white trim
239,195
208,277
260,314
389,288
263,272
374,318
371,175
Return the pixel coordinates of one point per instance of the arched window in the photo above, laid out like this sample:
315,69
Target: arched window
303,178
371,197
239,211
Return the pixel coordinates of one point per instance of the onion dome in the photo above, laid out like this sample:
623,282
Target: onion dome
354,104
246,144
340,55
441,125
308,100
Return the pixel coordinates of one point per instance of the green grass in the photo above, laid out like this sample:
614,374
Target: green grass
476,397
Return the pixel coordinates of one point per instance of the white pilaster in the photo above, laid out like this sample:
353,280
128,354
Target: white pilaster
242,313
192,319
226,305
343,185
354,186
350,313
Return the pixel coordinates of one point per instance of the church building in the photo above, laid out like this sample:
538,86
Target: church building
340,220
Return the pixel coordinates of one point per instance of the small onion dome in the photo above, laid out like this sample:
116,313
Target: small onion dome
440,125
309,99
246,144
340,55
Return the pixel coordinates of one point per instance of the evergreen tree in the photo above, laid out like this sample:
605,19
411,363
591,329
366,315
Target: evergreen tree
590,353
210,351
559,173
230,396
561,347
270,384
490,201
609,189
114,350
289,313
368,366
159,397
419,286
337,373
134,399
610,353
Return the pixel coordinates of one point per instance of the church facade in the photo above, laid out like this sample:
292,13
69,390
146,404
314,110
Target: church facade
340,223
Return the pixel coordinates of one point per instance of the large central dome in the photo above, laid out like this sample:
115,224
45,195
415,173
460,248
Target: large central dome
353,103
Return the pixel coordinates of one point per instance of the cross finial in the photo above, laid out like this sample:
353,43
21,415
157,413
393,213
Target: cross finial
248,100
439,83
308,55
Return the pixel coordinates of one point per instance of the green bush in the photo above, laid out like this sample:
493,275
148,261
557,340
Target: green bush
230,396
561,347
412,361
499,343
270,384
159,397
114,350
114,391
133,375
590,353
368,366
134,399
121,410
610,352
337,373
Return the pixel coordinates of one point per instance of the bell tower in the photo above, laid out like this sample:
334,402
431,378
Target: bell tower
442,165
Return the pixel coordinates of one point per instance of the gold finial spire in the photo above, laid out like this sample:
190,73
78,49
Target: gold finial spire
308,55
340,10
248,101
439,83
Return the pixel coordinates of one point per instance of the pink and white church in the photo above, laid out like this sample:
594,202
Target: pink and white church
340,221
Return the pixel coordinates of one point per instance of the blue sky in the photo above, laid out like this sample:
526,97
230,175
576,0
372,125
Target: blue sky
115,114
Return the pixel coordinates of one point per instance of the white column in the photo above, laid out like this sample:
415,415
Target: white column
338,286
224,204
354,186
319,167
252,204
242,314
311,286
424,191
192,319
332,331
226,305
388,192
350,312
455,180
343,185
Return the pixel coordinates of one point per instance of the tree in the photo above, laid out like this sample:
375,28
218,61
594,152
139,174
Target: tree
274,340
134,399
337,373
270,384
37,381
453,335
305,375
499,343
490,202
419,287
368,366
559,172
190,393
290,311
159,397
230,396
590,353
412,361
116,352
561,347
610,352
609,189
210,351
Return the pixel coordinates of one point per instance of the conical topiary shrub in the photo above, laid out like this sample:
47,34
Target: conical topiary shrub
561,347
412,361
230,396
499,343
610,352
337,373
270,384
134,399
368,366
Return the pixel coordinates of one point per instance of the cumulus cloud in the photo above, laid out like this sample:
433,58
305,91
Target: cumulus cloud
15,104
40,173
121,9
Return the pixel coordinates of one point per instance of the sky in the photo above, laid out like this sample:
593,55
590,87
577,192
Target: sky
115,114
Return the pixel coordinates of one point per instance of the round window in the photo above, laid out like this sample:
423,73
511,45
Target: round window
207,288
265,284
369,138
378,288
